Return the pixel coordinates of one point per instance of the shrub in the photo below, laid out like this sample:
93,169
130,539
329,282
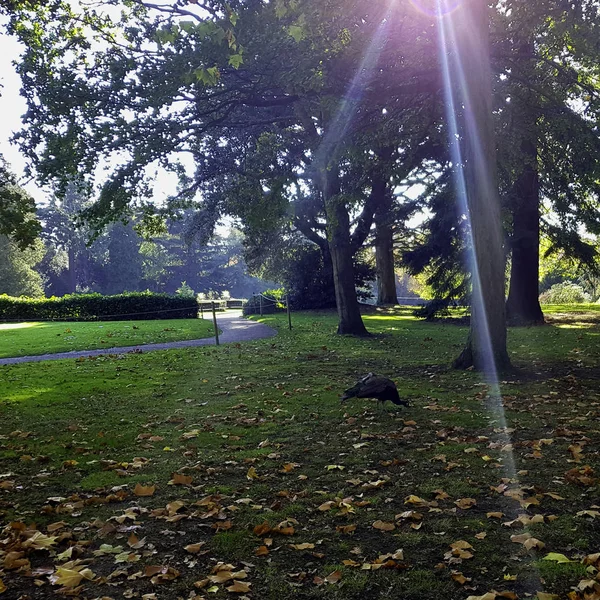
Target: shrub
566,292
96,307
270,303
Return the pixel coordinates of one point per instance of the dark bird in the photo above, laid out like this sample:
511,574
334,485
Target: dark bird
375,386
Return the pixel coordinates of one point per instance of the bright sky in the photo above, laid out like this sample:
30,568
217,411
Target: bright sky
12,106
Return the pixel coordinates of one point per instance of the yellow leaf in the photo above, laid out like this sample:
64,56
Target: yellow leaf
558,558
3,588
545,596
72,577
251,474
39,541
415,500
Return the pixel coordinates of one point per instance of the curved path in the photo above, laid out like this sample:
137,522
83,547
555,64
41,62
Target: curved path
234,329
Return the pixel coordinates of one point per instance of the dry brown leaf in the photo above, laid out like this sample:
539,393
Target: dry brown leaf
466,503
262,529
261,551
221,577
144,490
334,577
239,587
180,479
345,528
305,546
383,526
459,577
194,548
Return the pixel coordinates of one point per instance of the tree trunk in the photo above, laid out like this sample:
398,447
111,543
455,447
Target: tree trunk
523,305
384,248
340,247
72,269
486,345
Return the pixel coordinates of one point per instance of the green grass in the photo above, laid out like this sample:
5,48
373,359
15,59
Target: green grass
258,429
30,339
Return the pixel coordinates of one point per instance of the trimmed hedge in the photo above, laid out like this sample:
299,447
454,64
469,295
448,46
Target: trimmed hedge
96,307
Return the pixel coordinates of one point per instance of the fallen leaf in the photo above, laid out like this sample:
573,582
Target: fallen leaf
239,587
194,548
305,546
558,558
383,526
180,479
142,490
71,577
334,577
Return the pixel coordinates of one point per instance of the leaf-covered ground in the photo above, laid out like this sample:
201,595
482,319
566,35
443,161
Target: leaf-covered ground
234,471
29,339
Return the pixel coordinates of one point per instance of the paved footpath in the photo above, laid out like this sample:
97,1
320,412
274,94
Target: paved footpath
234,329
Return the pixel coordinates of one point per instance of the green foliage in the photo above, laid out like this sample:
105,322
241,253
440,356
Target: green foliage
17,210
564,293
93,307
185,291
263,304
18,276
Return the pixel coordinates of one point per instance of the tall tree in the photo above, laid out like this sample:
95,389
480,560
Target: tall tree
17,210
469,32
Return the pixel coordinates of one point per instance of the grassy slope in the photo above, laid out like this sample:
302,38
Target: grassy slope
29,339
75,427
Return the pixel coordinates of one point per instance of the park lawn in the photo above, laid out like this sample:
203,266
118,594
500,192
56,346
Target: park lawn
188,472
29,339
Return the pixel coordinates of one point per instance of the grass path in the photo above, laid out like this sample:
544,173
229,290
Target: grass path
195,473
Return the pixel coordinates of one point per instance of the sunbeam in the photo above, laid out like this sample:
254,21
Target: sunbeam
455,86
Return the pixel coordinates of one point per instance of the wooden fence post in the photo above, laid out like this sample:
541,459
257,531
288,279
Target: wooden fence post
214,312
289,313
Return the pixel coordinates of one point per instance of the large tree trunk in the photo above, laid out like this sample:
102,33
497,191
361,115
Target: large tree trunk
384,248
486,345
340,247
523,305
